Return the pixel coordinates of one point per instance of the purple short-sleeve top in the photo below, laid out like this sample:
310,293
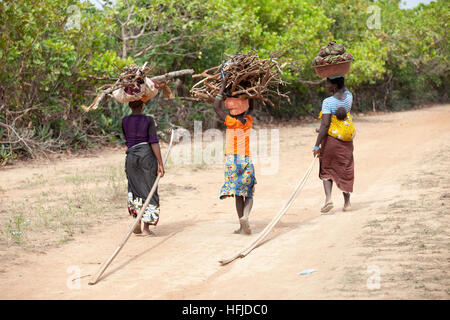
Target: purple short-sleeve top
138,128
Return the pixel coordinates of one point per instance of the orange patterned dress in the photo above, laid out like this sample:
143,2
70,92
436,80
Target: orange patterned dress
239,170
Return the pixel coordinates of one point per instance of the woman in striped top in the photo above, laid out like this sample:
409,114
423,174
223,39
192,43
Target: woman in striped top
335,155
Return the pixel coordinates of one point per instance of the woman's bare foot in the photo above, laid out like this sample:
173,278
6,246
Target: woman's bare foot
347,205
238,231
245,226
146,230
137,229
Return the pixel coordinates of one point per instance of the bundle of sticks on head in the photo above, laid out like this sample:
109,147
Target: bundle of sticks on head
134,83
246,76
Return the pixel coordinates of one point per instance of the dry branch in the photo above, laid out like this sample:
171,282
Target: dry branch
246,76
130,76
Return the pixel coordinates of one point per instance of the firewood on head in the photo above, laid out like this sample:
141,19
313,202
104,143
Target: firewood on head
132,79
247,76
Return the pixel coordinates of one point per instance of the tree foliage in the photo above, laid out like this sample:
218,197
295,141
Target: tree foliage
50,50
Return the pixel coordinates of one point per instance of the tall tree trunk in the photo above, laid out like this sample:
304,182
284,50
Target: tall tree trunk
124,43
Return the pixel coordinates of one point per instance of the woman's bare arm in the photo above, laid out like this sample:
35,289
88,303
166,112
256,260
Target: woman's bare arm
157,152
323,130
219,109
218,103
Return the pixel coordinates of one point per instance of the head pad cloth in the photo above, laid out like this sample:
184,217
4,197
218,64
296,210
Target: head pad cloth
150,90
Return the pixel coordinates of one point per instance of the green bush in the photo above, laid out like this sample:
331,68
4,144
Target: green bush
47,61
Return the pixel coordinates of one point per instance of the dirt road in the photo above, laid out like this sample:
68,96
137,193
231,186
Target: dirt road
394,244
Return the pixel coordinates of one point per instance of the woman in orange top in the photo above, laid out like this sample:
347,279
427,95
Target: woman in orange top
239,170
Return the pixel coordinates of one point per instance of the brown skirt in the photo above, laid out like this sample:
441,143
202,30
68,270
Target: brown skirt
336,162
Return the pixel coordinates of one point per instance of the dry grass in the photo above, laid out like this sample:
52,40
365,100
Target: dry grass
54,209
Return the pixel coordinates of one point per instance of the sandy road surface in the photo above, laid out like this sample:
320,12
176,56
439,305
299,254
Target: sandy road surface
399,227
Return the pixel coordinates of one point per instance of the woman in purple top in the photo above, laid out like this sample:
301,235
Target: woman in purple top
143,162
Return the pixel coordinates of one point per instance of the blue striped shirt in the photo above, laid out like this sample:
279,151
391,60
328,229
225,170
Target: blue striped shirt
331,104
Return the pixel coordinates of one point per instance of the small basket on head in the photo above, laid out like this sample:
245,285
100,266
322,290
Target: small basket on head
333,70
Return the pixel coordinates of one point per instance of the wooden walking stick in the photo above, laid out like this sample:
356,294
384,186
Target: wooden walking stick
105,265
242,253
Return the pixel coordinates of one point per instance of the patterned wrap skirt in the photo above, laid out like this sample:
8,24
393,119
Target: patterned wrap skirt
141,168
239,177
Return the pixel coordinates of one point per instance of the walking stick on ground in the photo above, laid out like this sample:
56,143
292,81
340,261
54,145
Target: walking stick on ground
242,253
105,265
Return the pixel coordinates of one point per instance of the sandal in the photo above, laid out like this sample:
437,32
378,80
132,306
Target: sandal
327,207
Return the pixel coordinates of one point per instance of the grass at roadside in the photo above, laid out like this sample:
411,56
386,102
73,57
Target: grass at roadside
64,205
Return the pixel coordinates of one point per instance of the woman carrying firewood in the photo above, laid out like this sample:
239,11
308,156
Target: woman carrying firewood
142,164
239,170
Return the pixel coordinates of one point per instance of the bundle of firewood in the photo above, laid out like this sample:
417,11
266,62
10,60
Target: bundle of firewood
131,80
246,76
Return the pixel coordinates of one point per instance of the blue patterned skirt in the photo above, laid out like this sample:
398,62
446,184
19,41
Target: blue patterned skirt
239,177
